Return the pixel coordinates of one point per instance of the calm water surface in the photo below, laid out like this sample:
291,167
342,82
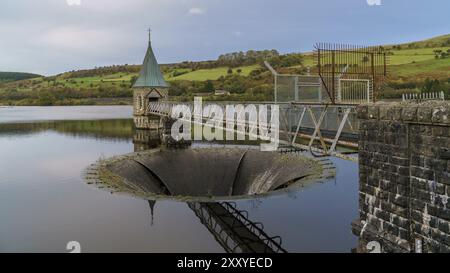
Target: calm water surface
45,203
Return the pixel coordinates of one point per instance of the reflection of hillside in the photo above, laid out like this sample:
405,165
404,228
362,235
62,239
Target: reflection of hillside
118,129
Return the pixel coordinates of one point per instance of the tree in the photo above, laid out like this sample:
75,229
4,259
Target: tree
46,98
430,86
437,53
230,71
235,84
208,87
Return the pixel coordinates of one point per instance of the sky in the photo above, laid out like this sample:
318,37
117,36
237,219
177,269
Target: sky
54,36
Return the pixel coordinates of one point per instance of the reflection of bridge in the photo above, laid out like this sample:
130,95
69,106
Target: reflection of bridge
232,228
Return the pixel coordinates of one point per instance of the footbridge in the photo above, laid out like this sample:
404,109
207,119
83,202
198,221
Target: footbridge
323,129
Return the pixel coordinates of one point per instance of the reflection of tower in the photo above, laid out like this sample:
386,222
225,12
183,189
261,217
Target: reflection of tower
150,86
152,204
146,140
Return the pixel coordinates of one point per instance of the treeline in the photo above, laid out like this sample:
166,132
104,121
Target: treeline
101,71
238,59
423,44
16,76
232,60
250,57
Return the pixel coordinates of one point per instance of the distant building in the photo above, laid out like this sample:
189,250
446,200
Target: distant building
221,93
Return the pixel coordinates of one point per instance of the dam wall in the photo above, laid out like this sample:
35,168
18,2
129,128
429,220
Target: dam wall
404,182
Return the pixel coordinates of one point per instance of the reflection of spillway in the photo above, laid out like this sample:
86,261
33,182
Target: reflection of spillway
212,172
233,230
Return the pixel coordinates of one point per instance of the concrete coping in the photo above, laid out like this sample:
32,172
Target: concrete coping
435,112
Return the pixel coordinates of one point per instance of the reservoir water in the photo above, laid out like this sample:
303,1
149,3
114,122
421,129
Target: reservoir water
45,202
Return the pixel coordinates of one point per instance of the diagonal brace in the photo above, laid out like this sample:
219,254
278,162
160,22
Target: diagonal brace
317,131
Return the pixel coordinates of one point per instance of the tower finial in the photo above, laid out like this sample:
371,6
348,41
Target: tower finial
149,34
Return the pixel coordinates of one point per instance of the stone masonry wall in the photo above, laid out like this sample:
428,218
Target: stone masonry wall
404,177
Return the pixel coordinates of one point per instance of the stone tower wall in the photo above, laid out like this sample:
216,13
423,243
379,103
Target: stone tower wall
404,177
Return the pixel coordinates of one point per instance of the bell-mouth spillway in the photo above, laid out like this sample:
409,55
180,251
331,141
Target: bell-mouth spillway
204,174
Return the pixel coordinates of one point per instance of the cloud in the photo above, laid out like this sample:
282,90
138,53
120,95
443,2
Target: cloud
75,38
74,2
374,2
238,33
196,11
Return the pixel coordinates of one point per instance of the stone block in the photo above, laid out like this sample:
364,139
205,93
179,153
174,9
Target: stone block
417,205
443,178
424,114
404,234
444,226
374,112
362,112
441,114
409,113
444,213
401,222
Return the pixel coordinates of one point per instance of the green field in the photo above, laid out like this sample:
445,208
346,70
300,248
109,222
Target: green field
212,74
407,56
419,71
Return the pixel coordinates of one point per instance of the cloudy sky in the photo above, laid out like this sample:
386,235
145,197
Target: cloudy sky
53,36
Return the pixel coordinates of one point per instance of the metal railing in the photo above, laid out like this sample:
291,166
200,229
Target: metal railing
349,89
329,125
355,91
424,96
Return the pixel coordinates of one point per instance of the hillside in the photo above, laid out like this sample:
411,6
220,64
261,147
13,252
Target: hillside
439,41
415,66
16,76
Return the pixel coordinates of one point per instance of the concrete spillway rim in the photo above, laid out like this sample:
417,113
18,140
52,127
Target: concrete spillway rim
97,173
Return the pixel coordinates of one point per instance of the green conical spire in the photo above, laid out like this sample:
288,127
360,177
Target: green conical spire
150,75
